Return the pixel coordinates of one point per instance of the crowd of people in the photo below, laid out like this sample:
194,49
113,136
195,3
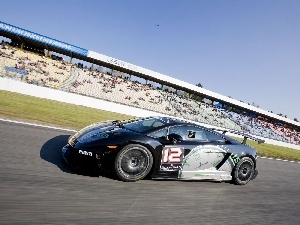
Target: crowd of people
58,74
40,70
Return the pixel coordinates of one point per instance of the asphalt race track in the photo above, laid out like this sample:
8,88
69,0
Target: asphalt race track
36,187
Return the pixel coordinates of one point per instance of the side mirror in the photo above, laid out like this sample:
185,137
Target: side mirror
175,138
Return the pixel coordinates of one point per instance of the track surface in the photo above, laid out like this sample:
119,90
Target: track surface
36,187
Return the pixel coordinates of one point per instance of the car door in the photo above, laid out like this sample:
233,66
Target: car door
204,153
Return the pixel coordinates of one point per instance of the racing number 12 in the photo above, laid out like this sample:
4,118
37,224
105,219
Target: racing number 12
172,155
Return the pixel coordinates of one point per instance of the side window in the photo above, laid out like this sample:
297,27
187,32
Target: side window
213,137
152,123
159,133
191,133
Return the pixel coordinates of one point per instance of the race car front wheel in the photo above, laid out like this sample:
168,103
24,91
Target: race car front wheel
133,162
243,171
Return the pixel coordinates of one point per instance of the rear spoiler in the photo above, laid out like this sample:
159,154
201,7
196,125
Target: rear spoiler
246,136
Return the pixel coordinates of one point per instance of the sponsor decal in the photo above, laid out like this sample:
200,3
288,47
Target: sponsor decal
205,157
85,153
235,159
172,158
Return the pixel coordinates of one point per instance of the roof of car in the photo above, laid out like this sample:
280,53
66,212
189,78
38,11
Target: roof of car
169,121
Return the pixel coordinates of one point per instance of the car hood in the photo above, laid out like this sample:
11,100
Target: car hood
95,131
102,133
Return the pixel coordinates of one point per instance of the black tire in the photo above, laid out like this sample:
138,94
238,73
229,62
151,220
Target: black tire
133,162
243,171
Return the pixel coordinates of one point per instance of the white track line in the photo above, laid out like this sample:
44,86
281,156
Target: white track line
283,160
37,125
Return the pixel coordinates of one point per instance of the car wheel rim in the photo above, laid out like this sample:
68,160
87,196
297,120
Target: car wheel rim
245,171
134,162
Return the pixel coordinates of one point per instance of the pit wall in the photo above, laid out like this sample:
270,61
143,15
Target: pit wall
52,94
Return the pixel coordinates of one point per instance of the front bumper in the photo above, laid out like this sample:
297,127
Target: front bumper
80,158
69,156
75,159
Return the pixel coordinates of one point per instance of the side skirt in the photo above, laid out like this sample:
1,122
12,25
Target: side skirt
205,175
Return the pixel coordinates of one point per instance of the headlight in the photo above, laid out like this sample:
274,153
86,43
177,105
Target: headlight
72,140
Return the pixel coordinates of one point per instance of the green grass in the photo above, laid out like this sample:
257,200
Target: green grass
274,151
48,112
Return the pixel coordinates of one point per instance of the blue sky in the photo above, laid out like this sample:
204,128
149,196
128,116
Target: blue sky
249,50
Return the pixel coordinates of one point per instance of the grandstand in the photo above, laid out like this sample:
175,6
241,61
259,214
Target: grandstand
33,68
31,58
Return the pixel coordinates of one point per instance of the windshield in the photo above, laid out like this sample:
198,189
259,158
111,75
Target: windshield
144,125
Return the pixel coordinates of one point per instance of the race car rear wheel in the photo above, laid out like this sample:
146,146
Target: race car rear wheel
243,171
133,162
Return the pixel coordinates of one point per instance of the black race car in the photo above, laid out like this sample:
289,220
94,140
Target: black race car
163,148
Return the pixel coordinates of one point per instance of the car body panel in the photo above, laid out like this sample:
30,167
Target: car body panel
201,153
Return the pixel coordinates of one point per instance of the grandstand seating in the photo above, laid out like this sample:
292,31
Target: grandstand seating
100,85
41,70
